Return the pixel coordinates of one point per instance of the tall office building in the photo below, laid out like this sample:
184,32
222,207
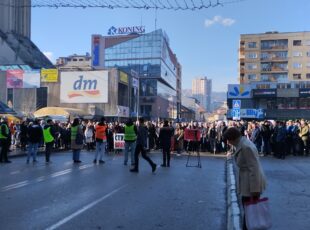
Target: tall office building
17,51
274,74
15,17
149,58
202,90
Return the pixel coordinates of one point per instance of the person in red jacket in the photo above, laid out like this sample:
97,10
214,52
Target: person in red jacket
101,130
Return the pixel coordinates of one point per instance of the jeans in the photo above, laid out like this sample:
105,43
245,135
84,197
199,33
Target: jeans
132,147
32,150
100,149
48,150
140,148
76,154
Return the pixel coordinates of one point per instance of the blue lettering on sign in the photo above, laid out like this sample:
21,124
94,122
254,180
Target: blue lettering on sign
84,84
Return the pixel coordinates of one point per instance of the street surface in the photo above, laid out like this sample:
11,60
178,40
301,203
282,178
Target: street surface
87,196
289,192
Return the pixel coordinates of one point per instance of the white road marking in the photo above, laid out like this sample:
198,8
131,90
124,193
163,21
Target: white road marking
61,173
42,178
86,166
85,208
15,172
17,185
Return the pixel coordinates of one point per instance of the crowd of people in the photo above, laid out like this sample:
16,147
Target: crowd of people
280,138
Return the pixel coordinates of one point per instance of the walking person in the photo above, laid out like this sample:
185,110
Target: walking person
251,179
35,135
48,134
77,140
101,132
5,140
130,137
165,134
141,147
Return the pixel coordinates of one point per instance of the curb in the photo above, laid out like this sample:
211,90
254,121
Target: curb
233,209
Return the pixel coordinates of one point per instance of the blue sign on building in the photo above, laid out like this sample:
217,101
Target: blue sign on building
236,109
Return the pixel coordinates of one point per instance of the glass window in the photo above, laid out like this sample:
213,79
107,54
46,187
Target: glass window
252,55
297,43
308,75
297,65
297,54
251,66
252,77
296,76
252,45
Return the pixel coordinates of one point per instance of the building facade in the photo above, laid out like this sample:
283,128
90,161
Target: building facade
149,59
202,90
274,75
74,62
95,92
16,18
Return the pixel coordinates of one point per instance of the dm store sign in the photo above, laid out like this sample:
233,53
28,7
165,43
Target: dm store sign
84,87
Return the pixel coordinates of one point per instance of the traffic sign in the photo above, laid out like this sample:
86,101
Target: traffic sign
236,104
236,114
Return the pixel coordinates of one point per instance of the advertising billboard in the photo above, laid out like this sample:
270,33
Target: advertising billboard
31,79
84,87
239,91
17,79
14,79
49,75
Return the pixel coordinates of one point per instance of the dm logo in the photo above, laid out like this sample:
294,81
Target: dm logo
239,92
82,88
112,31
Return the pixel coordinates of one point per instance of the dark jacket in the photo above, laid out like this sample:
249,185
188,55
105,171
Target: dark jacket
142,136
35,134
165,135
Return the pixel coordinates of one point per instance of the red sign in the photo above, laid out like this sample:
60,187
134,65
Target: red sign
192,135
119,142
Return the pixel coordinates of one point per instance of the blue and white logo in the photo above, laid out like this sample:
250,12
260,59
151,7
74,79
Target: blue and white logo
112,31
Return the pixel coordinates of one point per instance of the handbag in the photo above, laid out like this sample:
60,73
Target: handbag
257,214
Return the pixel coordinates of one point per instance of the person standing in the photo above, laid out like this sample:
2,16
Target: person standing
48,135
77,139
165,134
101,130
35,135
304,134
179,137
251,179
130,141
4,140
141,147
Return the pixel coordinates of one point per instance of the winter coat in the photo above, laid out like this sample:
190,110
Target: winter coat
73,144
250,176
165,135
35,134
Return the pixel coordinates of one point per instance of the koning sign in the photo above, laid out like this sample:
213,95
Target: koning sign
126,30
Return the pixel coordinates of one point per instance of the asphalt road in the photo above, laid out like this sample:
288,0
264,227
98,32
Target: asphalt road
289,192
87,196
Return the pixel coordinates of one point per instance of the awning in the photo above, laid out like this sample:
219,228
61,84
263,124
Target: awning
60,111
10,117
